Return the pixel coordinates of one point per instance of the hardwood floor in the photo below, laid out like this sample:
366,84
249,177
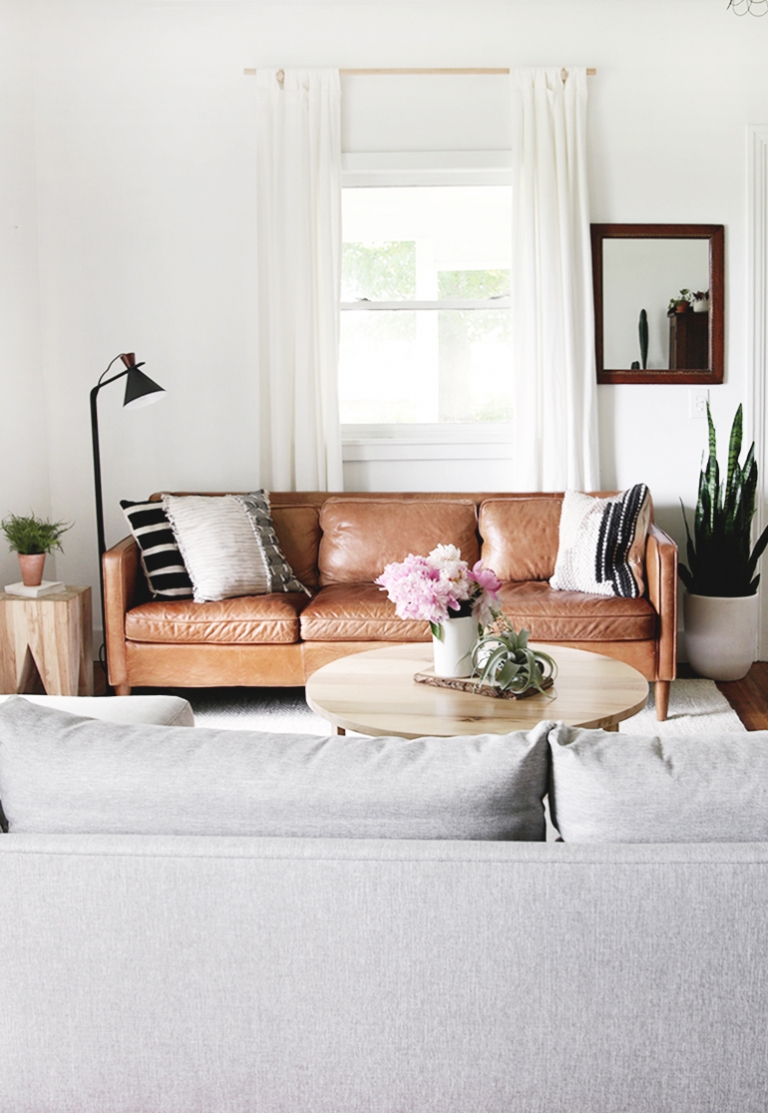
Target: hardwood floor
749,697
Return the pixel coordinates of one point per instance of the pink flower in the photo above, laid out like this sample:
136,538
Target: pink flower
429,588
486,578
488,588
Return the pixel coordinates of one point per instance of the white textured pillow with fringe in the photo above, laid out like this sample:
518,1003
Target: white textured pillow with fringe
601,546
229,545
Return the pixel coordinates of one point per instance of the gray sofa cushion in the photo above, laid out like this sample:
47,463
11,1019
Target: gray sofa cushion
608,787
65,774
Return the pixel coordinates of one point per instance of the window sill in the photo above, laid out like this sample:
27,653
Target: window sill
427,442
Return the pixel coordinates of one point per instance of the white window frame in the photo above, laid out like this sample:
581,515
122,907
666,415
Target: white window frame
438,440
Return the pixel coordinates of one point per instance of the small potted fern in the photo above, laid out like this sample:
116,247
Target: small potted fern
721,580
32,538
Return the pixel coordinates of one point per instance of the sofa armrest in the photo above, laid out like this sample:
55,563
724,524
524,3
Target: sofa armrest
661,573
121,582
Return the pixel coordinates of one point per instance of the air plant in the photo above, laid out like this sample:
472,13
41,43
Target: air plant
503,659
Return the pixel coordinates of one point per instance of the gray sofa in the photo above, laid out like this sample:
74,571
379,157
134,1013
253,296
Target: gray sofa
255,974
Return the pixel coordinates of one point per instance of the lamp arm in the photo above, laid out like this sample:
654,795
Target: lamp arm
101,382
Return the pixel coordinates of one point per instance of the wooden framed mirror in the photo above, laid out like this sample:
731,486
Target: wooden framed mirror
658,269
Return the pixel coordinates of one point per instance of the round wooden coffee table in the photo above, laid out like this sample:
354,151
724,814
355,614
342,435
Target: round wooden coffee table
374,693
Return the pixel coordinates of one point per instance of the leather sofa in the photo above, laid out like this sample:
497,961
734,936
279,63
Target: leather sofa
337,545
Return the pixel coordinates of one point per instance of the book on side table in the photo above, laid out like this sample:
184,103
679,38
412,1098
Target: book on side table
47,587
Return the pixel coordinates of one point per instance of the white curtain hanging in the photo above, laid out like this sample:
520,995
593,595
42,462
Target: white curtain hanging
555,407
298,227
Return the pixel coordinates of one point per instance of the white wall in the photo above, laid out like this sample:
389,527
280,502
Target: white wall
144,161
24,480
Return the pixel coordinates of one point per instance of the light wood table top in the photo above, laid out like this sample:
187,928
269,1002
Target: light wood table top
374,693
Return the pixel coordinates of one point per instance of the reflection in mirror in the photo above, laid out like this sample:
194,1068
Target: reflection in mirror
658,302
648,274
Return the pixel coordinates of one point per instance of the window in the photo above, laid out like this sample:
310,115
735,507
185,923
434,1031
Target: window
425,331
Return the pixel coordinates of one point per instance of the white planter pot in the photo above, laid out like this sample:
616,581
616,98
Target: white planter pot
453,652
721,634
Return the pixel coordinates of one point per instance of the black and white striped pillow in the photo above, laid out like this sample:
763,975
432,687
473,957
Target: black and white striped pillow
160,556
602,543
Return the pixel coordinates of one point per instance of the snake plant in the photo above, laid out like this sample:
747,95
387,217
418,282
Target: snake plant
503,658
720,558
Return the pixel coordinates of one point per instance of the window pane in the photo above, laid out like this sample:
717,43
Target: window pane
383,271
424,366
472,284
419,231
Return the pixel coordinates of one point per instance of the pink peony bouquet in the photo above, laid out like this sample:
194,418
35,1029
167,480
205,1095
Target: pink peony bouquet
431,587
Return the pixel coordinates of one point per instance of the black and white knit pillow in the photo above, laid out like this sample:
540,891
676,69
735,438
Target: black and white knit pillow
160,556
602,543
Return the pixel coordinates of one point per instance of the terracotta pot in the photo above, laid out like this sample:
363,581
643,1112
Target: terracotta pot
682,307
32,565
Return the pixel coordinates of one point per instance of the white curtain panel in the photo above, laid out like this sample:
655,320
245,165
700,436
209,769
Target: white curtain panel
555,407
298,128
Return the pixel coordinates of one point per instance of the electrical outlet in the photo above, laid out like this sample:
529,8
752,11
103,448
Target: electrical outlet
698,397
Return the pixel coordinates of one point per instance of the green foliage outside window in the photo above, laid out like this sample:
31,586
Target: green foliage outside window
379,271
472,284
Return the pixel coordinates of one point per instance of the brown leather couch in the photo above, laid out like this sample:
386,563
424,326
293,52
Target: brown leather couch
338,544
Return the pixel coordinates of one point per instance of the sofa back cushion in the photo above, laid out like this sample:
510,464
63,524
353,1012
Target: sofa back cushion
520,536
608,787
63,774
361,536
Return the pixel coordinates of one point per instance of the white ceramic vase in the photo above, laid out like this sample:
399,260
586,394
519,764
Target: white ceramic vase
453,652
720,634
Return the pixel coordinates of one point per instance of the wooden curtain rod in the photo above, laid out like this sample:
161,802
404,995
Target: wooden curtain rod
385,72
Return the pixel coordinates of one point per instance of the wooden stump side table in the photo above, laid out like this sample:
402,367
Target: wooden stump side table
51,636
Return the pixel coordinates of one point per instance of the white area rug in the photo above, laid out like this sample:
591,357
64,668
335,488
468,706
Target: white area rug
695,706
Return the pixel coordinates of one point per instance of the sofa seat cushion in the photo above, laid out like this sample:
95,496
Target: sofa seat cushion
357,612
167,711
248,619
576,615
360,537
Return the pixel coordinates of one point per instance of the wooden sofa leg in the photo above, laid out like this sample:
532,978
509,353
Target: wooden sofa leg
661,698
122,689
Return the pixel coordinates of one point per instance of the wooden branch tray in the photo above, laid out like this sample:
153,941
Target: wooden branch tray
473,686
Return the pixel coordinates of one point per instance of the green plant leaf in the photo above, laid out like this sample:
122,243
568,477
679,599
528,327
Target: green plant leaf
718,548
28,534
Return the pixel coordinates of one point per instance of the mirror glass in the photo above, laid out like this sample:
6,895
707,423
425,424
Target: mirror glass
658,303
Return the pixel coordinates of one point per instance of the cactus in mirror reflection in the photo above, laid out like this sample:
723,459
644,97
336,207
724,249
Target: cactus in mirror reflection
642,329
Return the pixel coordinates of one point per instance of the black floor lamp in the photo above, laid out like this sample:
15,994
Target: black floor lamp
140,390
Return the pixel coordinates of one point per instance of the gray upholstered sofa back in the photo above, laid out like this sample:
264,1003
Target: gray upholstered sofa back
241,975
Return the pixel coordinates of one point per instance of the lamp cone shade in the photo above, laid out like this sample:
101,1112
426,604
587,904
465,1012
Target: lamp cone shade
140,390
